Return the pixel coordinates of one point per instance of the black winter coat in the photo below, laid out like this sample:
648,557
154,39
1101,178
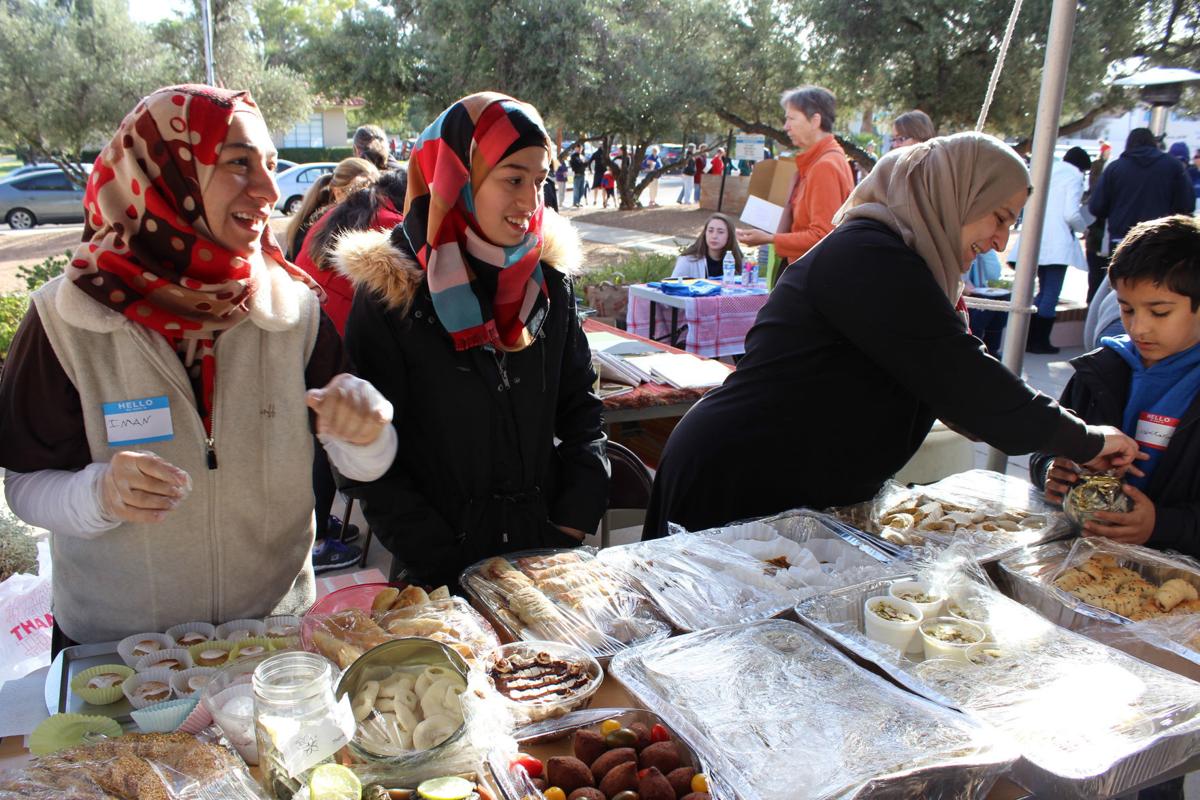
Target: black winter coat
478,472
855,354
1098,392
1144,183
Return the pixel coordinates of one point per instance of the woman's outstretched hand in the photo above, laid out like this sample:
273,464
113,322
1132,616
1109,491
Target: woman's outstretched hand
1118,454
350,409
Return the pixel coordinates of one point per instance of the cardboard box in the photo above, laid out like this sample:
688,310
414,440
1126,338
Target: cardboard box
770,181
735,193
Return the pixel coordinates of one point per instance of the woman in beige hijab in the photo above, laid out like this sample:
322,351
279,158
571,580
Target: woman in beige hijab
859,349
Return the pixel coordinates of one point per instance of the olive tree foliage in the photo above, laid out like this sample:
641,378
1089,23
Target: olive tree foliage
71,74
239,60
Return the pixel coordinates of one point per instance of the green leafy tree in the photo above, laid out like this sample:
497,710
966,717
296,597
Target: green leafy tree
238,59
71,74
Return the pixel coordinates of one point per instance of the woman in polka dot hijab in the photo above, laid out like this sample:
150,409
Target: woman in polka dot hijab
149,249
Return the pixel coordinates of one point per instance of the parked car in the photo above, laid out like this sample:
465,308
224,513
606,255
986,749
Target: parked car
282,165
294,182
37,197
670,153
38,167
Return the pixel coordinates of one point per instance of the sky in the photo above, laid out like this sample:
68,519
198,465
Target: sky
148,11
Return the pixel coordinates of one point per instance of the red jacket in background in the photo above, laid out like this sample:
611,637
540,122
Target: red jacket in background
718,165
339,292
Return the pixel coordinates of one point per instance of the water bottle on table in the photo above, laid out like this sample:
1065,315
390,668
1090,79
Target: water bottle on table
729,268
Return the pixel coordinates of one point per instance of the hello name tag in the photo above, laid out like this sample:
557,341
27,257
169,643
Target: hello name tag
138,421
1155,430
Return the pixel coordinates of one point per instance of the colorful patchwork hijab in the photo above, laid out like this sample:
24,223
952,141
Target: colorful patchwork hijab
482,293
147,252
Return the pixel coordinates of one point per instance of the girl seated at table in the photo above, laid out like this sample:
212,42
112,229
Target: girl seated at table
702,259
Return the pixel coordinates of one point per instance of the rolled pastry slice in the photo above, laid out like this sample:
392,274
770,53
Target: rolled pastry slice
433,731
433,699
364,700
1093,568
396,684
1174,592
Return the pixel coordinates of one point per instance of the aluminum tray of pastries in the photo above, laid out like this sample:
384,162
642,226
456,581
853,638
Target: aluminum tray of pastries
998,514
566,596
1088,720
777,713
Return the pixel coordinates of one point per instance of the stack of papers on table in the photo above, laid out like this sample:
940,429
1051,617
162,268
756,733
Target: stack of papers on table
681,370
612,351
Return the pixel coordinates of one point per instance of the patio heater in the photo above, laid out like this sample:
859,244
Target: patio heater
1161,88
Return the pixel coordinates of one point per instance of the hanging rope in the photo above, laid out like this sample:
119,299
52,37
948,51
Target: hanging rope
991,90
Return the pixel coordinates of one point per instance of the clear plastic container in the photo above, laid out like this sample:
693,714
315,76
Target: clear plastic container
293,692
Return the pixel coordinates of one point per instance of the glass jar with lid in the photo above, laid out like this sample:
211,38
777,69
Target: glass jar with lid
298,722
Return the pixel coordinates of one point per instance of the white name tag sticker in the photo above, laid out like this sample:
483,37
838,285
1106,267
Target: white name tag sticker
1154,430
138,421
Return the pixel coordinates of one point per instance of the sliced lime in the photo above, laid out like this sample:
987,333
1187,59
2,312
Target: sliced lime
333,782
451,788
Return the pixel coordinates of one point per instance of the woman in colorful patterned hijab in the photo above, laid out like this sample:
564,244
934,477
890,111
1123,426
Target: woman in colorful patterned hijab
477,237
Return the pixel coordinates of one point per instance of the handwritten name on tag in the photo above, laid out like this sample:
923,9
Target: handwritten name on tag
138,421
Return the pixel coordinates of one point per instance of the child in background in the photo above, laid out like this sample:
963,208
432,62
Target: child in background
609,183
1147,382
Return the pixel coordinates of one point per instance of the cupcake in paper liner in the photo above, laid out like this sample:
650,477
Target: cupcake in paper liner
133,648
191,682
251,647
241,629
281,626
101,686
68,730
147,688
187,634
164,717
216,653
176,659
198,720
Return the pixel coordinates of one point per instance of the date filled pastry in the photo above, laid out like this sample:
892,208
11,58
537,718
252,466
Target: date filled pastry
104,680
146,647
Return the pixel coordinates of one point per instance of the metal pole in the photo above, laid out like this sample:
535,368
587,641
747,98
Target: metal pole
1158,120
725,171
1054,81
208,44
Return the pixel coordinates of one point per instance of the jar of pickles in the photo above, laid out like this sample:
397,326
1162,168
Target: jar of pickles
298,722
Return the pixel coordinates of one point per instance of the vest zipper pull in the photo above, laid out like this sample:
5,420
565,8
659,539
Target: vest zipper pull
212,453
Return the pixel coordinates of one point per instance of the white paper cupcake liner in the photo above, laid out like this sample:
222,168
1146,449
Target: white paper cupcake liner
131,684
180,654
126,645
179,682
281,620
198,650
240,629
207,628
164,717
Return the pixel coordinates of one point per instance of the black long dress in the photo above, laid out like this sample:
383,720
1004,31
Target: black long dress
847,366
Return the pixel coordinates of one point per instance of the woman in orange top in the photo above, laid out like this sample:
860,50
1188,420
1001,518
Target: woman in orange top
823,180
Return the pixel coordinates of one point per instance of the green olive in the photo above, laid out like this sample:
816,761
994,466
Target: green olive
626,795
621,737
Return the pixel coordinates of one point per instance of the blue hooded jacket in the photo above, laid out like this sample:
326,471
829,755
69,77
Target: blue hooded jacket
1144,183
1158,398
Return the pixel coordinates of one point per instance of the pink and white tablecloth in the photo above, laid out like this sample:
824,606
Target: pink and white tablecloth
716,325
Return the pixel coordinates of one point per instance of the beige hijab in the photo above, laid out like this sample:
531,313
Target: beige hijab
928,191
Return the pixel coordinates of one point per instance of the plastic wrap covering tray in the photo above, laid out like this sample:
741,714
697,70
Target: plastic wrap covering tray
1089,721
698,582
566,596
996,499
778,714
1169,641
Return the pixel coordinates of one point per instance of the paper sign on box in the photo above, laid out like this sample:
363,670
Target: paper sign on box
770,182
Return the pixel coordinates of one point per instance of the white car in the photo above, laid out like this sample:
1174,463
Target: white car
294,183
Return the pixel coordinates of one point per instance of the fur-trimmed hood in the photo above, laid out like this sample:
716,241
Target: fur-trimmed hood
368,258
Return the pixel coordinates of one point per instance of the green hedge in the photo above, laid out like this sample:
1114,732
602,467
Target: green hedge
305,155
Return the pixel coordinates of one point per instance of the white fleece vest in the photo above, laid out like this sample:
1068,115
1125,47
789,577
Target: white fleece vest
239,545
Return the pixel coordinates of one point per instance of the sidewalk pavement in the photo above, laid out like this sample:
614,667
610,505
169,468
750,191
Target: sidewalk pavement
625,237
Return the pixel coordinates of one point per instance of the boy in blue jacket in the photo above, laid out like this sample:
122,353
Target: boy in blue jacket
1147,382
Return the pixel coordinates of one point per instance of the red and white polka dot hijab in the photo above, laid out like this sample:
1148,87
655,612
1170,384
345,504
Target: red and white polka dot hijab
147,252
